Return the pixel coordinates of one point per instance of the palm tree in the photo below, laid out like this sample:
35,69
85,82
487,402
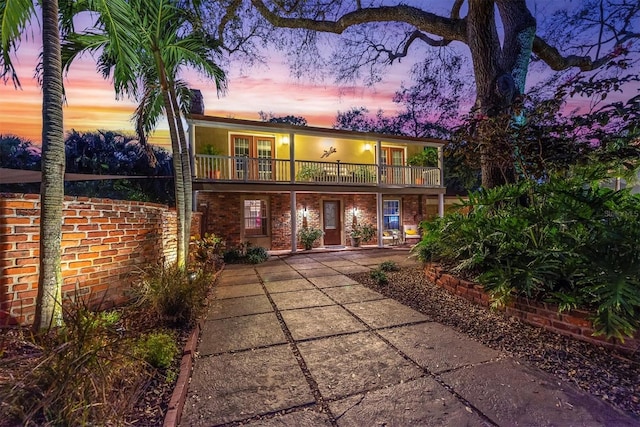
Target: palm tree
14,19
15,16
166,40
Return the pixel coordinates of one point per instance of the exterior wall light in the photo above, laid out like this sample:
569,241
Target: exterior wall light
285,140
367,147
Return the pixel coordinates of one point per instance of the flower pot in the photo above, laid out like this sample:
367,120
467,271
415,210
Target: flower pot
355,242
308,247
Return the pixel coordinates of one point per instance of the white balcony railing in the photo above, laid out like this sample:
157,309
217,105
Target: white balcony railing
250,169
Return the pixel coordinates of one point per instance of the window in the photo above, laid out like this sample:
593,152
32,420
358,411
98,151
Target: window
391,214
255,218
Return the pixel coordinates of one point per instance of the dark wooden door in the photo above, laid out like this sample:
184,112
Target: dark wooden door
331,222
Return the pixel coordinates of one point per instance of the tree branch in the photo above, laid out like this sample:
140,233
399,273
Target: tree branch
552,57
450,29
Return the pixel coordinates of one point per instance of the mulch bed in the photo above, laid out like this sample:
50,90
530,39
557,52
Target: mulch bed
606,374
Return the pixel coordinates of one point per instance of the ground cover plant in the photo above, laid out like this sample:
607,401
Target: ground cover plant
569,240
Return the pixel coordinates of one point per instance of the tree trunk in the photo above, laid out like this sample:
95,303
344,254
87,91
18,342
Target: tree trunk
500,74
49,297
185,159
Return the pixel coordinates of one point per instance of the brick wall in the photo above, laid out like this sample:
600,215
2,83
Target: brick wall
104,243
574,323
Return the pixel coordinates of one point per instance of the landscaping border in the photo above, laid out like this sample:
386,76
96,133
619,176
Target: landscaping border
574,323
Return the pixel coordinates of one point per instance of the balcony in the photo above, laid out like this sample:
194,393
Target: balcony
230,169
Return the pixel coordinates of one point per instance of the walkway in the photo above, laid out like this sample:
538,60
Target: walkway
295,342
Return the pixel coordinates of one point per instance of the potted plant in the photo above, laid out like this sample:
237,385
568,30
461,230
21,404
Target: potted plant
361,233
309,173
308,236
211,150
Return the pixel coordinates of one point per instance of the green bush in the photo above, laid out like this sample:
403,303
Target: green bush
566,241
158,349
173,294
379,277
389,266
81,367
246,253
207,251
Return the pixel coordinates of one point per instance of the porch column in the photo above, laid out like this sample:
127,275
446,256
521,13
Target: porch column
440,205
294,223
441,164
380,218
378,157
292,160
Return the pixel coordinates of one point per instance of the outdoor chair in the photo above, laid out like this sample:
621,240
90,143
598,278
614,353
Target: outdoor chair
411,233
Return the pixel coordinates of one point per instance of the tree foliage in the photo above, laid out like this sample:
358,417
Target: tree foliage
288,119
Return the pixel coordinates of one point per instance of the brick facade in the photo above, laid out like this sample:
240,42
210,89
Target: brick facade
222,214
574,323
104,242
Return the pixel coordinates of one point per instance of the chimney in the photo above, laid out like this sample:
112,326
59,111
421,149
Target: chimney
197,102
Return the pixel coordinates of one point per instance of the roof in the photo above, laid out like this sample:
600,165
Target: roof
309,130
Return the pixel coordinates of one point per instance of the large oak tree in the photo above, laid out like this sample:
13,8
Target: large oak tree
501,37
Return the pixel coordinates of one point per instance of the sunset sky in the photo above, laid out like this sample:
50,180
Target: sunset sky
91,102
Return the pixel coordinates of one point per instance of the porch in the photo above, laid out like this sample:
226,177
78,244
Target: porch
243,169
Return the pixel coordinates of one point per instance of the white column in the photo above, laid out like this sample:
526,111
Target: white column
380,218
440,205
292,159
294,223
441,164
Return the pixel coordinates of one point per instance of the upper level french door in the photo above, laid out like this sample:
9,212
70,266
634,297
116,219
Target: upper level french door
392,156
247,148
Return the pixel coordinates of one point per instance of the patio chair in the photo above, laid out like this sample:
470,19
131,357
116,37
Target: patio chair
391,237
411,233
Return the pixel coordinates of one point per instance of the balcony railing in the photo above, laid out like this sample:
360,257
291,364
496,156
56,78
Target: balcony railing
250,169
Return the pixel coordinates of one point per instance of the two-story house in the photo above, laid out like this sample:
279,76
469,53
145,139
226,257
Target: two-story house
261,182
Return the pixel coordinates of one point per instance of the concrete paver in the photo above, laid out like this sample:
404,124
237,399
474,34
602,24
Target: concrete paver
301,299
233,387
331,280
512,393
316,322
358,363
421,402
241,333
294,342
384,313
438,348
352,293
289,285
235,291
223,308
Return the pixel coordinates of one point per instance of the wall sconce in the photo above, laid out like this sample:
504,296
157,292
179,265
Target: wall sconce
367,147
304,212
285,140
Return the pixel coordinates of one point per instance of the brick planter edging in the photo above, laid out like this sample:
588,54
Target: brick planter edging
179,395
574,323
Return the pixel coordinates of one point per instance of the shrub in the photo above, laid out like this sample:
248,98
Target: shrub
173,294
158,349
389,266
81,367
246,253
566,241
207,251
308,236
379,277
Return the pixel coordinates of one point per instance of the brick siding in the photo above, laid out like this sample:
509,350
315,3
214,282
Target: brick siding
574,323
104,244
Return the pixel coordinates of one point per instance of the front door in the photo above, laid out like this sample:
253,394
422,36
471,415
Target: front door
331,222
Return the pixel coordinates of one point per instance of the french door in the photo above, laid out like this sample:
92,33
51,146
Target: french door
253,157
392,156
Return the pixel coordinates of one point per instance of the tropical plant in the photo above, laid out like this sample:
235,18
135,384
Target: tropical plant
309,235
14,19
309,173
570,241
364,231
165,37
207,251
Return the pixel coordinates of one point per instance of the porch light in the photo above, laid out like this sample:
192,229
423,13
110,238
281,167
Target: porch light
304,212
285,140
367,147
